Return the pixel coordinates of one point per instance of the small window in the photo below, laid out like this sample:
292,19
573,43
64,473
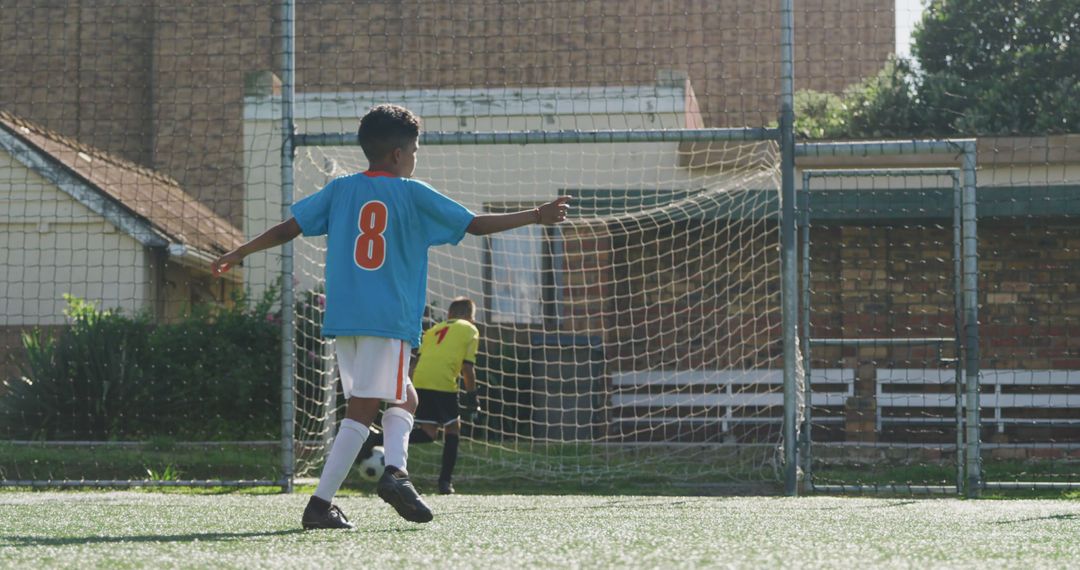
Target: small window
517,277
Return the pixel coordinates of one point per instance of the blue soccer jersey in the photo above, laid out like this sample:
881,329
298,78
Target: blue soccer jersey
379,228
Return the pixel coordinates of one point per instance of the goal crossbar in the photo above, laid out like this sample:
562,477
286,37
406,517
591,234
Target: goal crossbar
558,137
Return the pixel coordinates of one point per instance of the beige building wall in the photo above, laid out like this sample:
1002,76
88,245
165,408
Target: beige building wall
51,245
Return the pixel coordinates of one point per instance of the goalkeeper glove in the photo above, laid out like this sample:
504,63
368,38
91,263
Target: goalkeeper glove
470,407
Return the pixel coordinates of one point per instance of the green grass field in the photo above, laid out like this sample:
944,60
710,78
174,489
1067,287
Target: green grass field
250,530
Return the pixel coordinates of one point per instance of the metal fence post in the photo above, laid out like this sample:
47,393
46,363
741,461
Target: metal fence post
288,26
971,322
789,290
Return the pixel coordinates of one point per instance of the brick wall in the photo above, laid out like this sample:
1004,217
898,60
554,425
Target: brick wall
1029,281
587,280
896,281
688,295
685,295
83,69
161,82
692,295
203,50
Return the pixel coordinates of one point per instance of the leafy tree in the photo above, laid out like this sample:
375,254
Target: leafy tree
980,67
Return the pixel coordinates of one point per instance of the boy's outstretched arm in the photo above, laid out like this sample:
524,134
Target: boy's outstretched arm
275,236
551,213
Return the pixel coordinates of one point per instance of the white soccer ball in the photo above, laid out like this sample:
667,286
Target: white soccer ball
373,466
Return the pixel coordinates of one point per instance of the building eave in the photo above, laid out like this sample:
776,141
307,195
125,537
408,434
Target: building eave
81,191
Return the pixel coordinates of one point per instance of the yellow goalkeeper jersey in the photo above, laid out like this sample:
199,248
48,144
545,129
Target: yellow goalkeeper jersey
444,347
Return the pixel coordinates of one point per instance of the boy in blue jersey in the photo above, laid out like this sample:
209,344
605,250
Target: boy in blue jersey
380,224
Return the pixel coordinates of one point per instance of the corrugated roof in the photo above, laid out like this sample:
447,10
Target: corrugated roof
150,195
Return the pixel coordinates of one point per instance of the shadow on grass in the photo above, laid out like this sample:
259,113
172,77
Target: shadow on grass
624,504
30,541
891,505
1065,517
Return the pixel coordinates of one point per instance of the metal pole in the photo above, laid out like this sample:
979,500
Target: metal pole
288,63
880,148
789,290
971,322
804,338
883,172
958,319
911,341
437,138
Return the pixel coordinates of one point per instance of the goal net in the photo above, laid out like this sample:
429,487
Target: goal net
640,338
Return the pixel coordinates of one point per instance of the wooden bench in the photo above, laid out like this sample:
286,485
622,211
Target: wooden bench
905,388
718,396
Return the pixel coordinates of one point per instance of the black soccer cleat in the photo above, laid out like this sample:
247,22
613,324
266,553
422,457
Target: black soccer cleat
395,488
446,488
320,514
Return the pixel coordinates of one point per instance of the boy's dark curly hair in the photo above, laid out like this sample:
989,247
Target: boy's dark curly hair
386,127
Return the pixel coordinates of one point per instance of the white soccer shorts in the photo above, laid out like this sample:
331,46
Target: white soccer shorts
373,367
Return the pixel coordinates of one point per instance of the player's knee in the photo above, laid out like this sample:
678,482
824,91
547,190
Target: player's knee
362,410
452,428
408,405
411,401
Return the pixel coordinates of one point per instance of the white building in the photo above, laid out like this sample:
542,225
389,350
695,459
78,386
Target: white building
79,221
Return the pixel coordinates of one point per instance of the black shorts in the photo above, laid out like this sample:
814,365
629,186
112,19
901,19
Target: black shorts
440,408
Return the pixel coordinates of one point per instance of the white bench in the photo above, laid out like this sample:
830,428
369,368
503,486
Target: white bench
723,394
908,392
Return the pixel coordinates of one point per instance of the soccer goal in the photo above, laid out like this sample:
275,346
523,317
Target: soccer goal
639,343
640,340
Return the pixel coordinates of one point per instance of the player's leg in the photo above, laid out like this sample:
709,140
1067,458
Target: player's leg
321,512
394,486
419,435
424,433
351,434
424,427
353,431
363,364
451,439
397,421
427,421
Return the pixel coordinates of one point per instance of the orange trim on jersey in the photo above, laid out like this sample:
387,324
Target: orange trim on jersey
376,173
400,366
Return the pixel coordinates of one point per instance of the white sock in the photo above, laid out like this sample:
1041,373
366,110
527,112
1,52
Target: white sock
350,437
396,423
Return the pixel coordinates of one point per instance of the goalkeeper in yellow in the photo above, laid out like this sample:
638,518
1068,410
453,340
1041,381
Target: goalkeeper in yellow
447,351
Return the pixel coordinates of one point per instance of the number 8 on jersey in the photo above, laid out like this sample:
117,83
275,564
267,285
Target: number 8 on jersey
370,250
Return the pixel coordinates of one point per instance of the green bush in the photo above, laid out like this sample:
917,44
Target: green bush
87,383
215,375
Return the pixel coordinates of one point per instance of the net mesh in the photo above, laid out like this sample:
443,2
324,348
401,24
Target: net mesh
881,285
139,139
641,335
